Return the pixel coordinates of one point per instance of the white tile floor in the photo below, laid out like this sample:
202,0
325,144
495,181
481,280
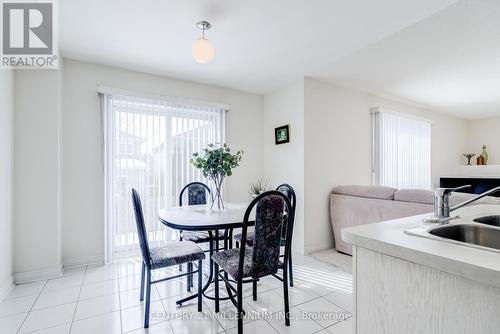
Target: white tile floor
105,300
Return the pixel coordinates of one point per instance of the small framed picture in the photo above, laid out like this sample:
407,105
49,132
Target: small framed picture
282,134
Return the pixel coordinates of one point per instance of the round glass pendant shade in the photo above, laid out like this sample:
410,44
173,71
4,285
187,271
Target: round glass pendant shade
203,51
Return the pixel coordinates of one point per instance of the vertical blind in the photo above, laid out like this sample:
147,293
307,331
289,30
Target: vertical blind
402,151
148,144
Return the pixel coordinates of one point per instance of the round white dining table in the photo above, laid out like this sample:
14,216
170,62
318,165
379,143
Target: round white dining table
202,218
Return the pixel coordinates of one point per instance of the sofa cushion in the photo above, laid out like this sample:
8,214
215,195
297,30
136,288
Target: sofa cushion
424,196
365,191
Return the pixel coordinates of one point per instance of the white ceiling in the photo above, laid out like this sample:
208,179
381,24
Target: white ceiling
449,61
441,54
259,44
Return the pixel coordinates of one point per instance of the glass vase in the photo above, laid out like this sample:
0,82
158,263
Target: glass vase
217,196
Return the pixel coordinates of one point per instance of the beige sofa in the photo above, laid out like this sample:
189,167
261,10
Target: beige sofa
356,205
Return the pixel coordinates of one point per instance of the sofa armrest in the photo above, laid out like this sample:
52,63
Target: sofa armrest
348,211
379,192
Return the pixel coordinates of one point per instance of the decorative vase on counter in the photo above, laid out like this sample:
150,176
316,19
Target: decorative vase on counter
469,156
480,160
484,154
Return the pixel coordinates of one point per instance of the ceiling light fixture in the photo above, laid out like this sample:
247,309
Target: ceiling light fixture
202,49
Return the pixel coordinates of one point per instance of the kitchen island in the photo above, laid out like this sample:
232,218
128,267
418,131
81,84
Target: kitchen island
405,283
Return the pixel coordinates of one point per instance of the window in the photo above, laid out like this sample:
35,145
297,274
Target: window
402,150
148,144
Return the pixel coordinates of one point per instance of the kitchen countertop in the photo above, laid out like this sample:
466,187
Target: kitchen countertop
389,238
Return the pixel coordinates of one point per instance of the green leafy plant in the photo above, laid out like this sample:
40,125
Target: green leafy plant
216,162
257,187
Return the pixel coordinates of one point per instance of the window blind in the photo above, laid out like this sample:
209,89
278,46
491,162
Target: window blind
148,144
402,150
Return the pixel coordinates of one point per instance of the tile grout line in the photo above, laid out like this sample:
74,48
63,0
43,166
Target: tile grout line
31,308
164,309
17,313
323,327
119,299
92,316
297,306
23,296
78,300
332,325
52,306
100,296
43,329
271,325
56,305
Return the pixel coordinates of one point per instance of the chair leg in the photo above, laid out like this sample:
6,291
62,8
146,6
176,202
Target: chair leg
192,276
180,239
285,297
189,277
216,286
240,306
148,298
143,272
290,269
200,283
254,289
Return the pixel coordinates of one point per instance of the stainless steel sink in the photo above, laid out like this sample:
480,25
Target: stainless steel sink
470,234
489,220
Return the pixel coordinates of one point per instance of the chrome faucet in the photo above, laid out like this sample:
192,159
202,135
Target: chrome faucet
442,207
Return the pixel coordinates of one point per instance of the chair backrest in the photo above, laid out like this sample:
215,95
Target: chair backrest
289,192
197,193
269,214
141,228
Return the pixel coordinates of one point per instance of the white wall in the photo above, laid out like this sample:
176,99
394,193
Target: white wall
6,174
37,176
487,132
338,148
83,179
285,163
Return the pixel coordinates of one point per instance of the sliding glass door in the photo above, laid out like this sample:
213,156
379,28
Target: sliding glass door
148,144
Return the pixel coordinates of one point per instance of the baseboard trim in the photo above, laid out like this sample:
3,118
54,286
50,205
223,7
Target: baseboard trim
37,275
317,247
6,287
75,262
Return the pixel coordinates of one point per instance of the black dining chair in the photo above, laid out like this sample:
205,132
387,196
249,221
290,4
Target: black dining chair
263,258
196,195
173,253
290,193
